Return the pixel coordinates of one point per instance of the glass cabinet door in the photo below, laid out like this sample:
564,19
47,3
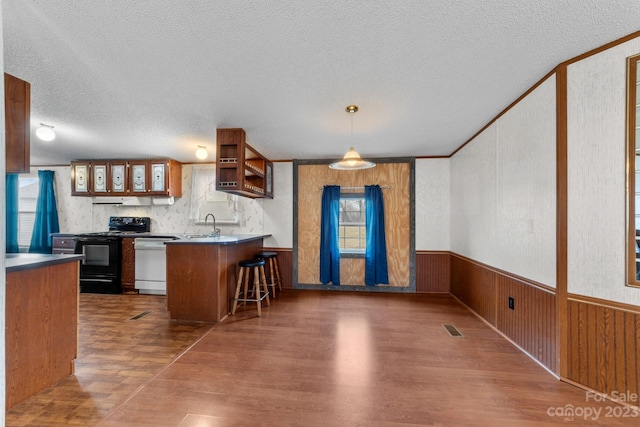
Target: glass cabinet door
138,175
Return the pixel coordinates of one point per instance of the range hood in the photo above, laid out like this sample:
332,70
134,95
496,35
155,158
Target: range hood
122,201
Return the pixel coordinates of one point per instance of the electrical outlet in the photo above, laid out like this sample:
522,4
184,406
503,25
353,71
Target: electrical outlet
511,303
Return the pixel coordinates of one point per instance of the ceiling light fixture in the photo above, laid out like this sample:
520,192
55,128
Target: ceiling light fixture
46,132
352,160
201,152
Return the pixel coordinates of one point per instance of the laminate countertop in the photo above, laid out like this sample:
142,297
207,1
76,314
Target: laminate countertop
225,239
19,262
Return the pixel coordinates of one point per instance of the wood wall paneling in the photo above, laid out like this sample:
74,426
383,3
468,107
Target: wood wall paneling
285,265
531,324
475,287
604,352
433,272
311,179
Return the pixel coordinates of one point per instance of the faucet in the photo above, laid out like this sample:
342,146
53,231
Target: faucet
216,231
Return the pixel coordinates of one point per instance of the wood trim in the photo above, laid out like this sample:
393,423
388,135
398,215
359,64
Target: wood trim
604,303
632,66
540,286
561,218
549,74
503,112
602,48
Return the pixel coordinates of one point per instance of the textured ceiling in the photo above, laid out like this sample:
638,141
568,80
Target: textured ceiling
124,78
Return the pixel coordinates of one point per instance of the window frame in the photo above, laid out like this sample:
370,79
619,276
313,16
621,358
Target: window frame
22,245
345,252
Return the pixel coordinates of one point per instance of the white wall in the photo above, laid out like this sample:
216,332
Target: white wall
78,214
432,198
596,89
278,212
503,191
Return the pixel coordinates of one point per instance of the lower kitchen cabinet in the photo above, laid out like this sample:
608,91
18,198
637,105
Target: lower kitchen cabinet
63,245
128,265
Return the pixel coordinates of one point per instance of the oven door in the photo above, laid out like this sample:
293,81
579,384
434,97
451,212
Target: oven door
100,268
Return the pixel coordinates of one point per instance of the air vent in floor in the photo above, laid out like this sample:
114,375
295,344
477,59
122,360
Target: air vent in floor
141,315
453,331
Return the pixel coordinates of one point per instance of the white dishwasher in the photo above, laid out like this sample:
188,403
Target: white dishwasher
151,265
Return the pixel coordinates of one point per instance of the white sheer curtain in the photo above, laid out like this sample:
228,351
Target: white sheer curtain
205,199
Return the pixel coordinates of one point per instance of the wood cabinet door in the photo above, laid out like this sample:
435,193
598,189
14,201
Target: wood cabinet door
81,179
128,266
17,111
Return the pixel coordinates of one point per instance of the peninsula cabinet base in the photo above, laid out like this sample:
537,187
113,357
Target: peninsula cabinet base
201,278
41,328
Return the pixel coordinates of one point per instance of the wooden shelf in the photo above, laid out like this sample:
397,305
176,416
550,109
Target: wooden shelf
240,169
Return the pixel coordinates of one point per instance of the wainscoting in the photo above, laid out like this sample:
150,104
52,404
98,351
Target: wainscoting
531,324
285,265
604,346
433,272
604,337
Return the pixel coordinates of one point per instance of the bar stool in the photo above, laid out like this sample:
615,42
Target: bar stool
273,279
243,279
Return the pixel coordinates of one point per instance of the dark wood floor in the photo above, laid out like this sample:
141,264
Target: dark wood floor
116,356
327,359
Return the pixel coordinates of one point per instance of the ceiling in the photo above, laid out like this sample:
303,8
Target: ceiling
137,79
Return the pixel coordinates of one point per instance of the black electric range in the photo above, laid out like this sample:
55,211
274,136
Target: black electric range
100,271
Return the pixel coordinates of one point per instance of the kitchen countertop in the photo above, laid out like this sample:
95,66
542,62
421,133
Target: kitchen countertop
19,262
225,239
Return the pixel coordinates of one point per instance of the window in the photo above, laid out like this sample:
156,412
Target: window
205,199
352,233
28,187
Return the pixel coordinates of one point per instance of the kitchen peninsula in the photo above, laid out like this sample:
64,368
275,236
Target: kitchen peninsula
41,322
201,274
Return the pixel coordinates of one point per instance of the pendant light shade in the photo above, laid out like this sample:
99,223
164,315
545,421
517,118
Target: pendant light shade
352,160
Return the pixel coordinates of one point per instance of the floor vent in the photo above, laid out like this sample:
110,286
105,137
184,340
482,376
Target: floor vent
453,331
141,315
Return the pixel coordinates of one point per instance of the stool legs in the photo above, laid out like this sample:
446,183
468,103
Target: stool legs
273,279
259,279
237,293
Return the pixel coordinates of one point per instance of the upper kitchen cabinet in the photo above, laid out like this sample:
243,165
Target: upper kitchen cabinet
161,177
17,111
240,169
80,179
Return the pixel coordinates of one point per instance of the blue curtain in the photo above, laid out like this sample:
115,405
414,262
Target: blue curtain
11,185
375,269
329,247
46,215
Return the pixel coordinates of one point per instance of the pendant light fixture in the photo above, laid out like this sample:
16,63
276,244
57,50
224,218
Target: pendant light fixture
352,160
46,132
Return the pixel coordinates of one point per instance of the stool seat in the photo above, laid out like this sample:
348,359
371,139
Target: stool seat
251,263
266,254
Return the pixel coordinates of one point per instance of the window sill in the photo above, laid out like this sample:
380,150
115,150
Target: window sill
351,254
